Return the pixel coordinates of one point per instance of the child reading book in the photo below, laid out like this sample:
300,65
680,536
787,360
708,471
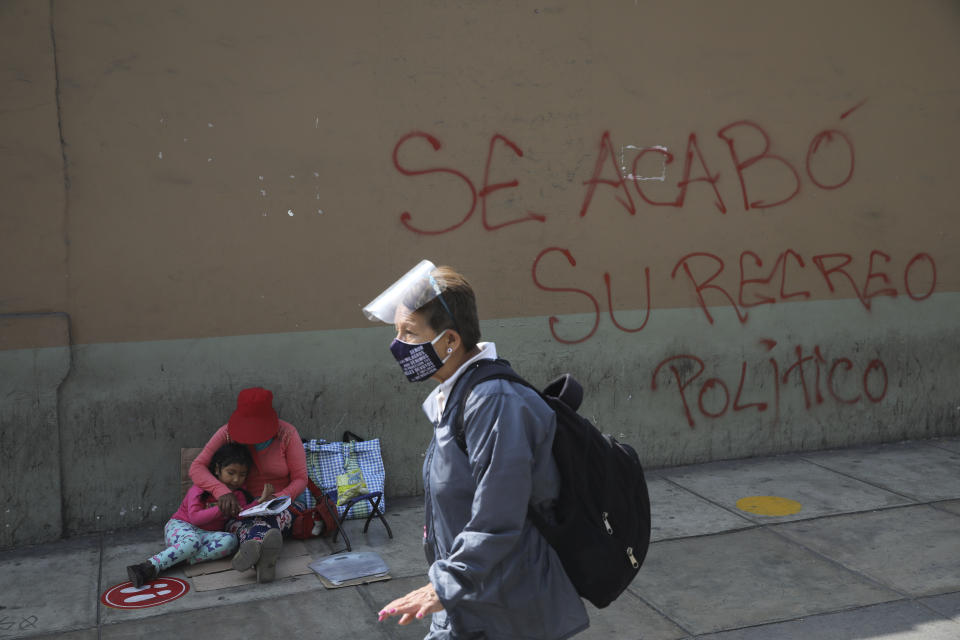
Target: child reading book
195,532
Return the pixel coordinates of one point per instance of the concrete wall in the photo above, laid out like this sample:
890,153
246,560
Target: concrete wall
732,221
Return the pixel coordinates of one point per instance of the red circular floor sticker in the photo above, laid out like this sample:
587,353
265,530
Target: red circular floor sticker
159,591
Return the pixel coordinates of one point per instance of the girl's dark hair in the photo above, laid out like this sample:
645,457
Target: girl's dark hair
228,454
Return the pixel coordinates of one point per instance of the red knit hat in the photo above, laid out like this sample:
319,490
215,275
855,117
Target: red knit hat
254,421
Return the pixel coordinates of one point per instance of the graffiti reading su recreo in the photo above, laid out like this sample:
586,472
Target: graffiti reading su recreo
763,279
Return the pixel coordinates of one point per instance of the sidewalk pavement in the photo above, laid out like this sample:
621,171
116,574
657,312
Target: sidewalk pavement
874,552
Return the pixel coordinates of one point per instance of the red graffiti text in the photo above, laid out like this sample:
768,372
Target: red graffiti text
810,373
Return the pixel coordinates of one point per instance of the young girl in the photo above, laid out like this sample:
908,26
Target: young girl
195,532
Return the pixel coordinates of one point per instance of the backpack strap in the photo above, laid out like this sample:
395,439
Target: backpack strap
478,371
566,389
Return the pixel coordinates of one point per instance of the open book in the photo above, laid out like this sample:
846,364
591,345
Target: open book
268,508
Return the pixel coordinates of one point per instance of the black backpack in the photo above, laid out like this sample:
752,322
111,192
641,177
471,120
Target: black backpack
602,527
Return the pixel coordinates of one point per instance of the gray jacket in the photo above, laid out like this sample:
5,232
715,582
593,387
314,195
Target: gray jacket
492,570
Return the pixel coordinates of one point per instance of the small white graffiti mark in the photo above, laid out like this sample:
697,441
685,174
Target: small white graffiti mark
636,178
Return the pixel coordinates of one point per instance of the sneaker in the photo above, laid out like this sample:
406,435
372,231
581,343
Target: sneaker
269,552
246,556
141,574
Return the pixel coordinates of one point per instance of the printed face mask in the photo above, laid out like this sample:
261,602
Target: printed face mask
418,361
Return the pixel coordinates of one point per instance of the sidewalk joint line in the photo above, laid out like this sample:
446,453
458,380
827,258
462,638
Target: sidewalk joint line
867,482
388,627
875,581
663,613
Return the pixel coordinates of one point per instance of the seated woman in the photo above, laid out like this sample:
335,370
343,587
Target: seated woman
278,460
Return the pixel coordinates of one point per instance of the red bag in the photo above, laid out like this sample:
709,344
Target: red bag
318,521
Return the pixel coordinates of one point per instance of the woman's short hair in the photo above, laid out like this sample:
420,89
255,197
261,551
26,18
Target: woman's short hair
460,312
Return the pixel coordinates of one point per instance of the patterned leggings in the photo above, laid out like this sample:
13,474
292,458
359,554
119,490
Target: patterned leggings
255,528
193,544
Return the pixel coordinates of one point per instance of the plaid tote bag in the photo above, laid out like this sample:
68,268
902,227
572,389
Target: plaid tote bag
327,460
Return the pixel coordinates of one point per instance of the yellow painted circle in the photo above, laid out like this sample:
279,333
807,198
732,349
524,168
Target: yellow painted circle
769,505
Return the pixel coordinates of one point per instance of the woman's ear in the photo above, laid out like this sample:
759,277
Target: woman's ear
451,341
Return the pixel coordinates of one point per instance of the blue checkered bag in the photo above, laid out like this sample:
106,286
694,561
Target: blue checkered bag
326,461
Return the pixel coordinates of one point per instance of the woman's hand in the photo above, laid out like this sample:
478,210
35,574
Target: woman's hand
267,492
229,505
415,604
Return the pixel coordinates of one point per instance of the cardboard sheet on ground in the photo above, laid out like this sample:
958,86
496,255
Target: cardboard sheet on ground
207,576
349,569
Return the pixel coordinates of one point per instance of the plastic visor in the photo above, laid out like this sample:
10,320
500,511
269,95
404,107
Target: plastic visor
415,289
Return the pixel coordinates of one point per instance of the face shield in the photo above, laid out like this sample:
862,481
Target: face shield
415,289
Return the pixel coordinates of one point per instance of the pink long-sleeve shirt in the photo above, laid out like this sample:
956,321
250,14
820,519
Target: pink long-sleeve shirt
283,464
202,511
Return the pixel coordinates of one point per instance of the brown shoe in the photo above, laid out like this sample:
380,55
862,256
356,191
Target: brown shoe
141,574
246,556
269,552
